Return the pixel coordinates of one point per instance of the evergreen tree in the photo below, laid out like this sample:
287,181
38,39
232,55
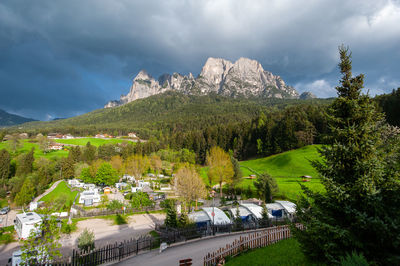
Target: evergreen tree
5,161
89,153
171,219
266,187
26,194
360,210
25,163
238,222
264,221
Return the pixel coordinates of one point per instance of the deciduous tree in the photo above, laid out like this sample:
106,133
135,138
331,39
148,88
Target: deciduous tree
189,185
221,169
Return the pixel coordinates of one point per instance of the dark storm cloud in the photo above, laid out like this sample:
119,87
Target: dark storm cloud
62,58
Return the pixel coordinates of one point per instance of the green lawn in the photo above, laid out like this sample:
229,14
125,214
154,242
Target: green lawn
286,168
285,252
94,141
61,191
29,144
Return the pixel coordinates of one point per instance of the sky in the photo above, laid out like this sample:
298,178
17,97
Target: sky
65,58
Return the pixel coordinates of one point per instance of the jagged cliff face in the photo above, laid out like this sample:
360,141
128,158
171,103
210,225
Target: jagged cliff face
245,77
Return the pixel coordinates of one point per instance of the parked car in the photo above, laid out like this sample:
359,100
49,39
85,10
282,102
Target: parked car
4,210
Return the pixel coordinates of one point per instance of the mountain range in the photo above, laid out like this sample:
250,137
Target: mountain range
7,119
244,78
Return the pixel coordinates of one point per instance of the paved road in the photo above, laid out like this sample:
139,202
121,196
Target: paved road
195,250
104,230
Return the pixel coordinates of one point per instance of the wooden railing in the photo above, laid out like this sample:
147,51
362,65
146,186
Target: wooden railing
253,240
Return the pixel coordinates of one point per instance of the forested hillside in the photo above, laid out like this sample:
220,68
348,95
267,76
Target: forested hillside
390,105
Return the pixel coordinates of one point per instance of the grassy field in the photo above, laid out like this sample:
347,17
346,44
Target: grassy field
285,252
61,191
28,144
94,141
286,168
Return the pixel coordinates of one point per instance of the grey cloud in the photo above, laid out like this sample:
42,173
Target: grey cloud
88,51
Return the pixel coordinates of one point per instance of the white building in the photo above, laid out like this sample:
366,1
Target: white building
27,222
282,209
255,210
89,186
88,197
75,183
128,178
136,189
121,185
142,183
219,216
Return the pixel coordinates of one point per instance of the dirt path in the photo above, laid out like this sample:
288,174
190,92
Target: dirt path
47,191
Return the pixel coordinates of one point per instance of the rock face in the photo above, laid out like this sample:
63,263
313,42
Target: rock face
245,77
307,95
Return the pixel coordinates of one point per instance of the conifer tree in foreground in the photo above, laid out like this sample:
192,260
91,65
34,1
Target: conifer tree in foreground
360,211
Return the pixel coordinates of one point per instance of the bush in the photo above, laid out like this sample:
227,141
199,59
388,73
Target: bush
86,240
115,205
119,219
354,259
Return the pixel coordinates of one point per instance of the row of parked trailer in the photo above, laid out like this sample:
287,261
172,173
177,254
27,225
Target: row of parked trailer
248,212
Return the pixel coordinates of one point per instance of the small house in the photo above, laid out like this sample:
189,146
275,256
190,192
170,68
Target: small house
142,183
33,206
128,178
75,183
136,189
121,185
107,190
89,186
88,197
255,209
132,135
56,146
27,222
147,189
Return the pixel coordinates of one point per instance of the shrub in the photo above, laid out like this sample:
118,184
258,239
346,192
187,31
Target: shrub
86,240
119,219
354,259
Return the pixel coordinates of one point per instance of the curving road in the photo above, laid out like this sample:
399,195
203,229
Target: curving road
195,250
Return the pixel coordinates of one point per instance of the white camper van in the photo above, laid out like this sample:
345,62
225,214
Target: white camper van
26,222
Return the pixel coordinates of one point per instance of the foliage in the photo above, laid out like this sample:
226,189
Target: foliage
221,168
139,200
7,235
42,249
89,153
119,219
25,163
183,221
264,221
171,218
360,209
189,185
106,175
86,240
115,205
238,222
26,194
5,161
266,187
167,203
353,259
136,165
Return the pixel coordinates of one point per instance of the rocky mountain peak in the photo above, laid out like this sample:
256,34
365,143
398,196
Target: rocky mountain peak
246,77
143,75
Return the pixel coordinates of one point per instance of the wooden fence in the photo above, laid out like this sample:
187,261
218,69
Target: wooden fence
251,241
110,253
103,212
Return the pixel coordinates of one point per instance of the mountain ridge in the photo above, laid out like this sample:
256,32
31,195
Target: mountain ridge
245,77
7,119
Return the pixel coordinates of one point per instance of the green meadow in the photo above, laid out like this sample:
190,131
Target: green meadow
28,144
286,168
63,192
93,141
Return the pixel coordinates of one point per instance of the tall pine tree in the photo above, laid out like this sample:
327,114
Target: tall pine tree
360,210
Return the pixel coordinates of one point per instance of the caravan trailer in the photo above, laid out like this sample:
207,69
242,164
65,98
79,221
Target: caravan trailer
26,222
